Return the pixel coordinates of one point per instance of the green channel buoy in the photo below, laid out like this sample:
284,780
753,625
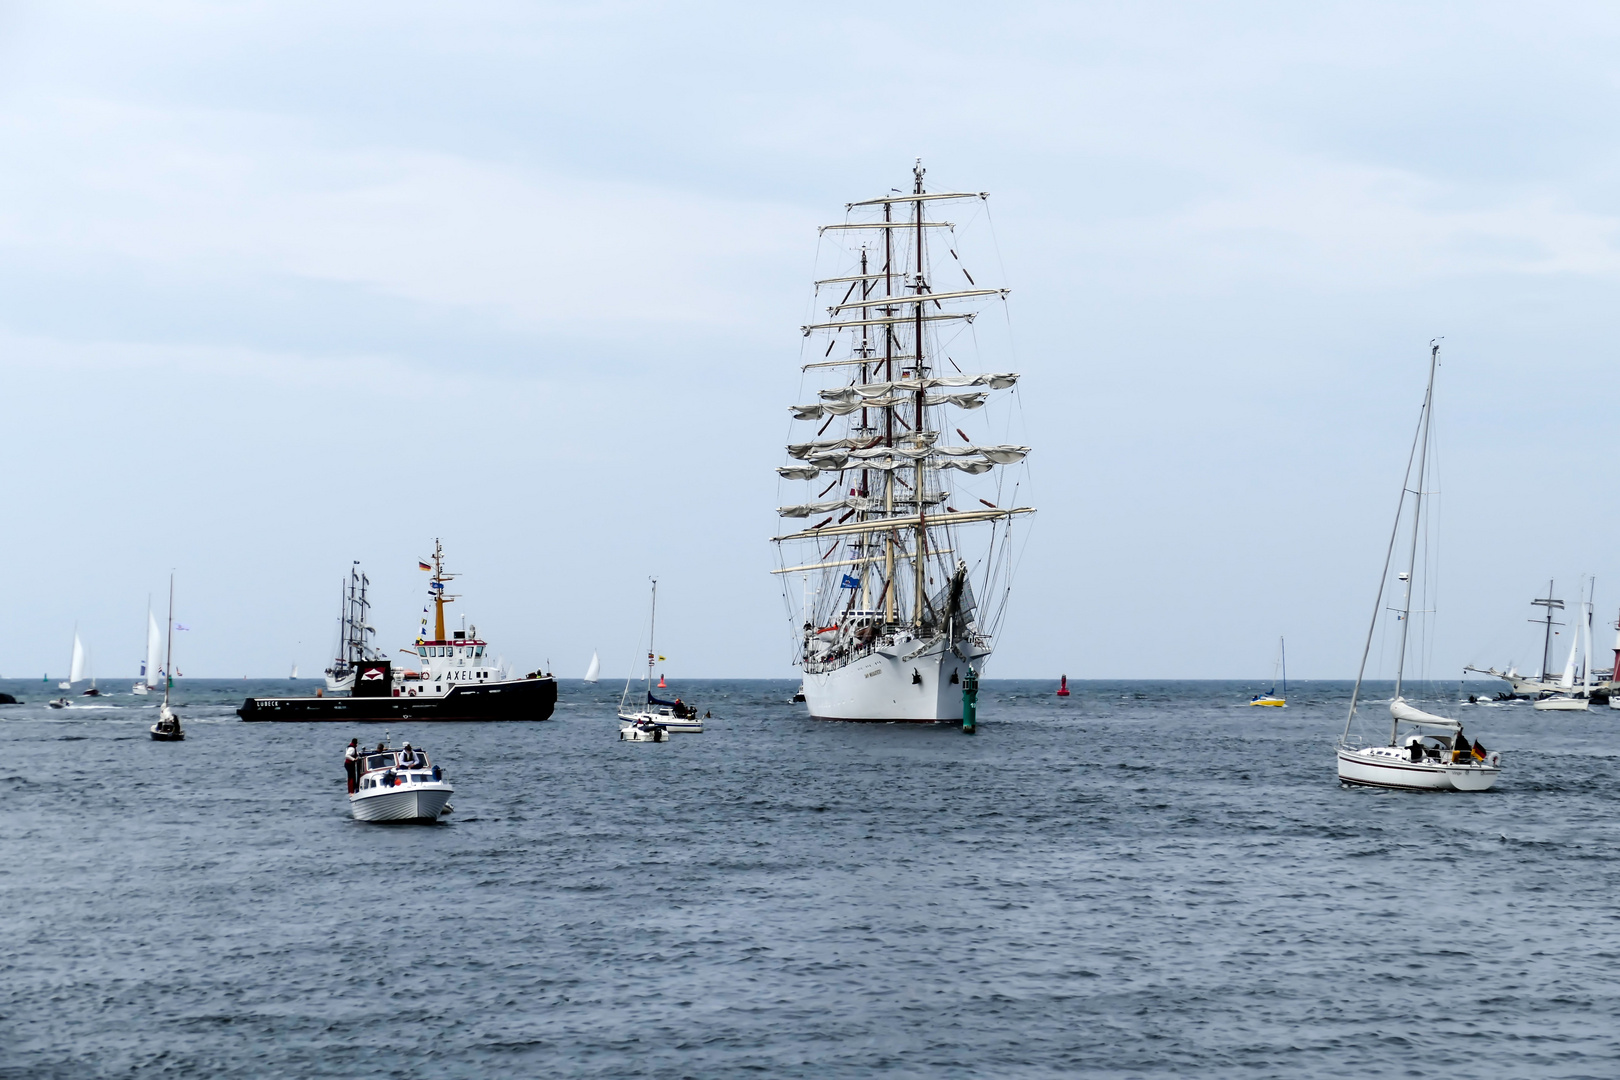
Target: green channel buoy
970,702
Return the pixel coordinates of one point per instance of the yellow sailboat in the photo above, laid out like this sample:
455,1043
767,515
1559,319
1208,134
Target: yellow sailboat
1271,697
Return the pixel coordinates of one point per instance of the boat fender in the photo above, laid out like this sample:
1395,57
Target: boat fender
1495,759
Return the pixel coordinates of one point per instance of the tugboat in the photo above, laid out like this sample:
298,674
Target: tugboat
399,785
457,681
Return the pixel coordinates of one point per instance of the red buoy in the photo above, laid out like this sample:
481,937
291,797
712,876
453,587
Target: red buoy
1063,686
661,683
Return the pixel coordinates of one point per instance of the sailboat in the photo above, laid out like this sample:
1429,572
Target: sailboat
1524,685
167,728
1434,756
655,718
1567,699
594,671
355,633
894,631
153,663
1271,697
76,665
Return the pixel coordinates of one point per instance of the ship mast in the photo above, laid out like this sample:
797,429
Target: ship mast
436,587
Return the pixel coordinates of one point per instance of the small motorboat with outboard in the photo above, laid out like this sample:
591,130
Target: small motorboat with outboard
58,703
642,728
399,785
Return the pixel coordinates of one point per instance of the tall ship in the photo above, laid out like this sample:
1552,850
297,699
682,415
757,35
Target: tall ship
456,680
904,578
355,634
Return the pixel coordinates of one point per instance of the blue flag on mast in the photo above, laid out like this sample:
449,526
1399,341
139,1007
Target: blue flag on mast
850,582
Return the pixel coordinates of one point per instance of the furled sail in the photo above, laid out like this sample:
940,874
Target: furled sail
829,506
1410,714
844,405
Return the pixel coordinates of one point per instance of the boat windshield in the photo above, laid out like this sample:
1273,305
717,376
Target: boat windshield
379,761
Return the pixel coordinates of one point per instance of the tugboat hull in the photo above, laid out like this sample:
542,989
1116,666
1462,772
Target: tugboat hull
518,699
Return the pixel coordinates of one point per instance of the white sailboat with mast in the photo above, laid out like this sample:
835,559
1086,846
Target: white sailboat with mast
76,665
153,662
654,719
167,728
594,671
894,630
1567,697
1434,756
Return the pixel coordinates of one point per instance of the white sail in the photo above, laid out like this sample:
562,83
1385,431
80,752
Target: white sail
76,668
1566,681
154,650
593,672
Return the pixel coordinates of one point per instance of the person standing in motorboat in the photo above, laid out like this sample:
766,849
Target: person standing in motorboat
351,763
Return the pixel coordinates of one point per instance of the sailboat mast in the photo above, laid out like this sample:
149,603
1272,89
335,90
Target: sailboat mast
1282,647
652,634
1417,521
889,590
168,661
918,285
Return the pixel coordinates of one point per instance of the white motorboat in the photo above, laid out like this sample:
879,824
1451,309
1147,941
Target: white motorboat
1434,755
654,714
642,728
392,787
58,703
892,631
167,728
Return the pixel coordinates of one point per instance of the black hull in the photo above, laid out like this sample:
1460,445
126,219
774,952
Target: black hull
520,699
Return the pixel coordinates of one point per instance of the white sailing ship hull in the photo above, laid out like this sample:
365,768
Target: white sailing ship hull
1561,704
410,802
1391,767
898,685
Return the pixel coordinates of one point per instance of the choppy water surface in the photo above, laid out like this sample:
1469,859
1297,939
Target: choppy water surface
1143,880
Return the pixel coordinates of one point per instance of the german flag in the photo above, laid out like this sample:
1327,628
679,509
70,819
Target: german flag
1479,752
420,565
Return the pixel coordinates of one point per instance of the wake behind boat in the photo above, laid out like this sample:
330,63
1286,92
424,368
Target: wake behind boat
893,631
1434,755
458,681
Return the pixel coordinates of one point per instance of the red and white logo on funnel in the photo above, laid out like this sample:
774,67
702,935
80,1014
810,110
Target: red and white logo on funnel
371,674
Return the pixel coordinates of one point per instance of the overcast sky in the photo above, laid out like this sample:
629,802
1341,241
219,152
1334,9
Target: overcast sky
285,285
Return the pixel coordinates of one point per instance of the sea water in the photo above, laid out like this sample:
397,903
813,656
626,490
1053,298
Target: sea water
1141,880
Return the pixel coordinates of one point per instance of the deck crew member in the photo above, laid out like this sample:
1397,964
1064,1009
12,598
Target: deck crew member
351,762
